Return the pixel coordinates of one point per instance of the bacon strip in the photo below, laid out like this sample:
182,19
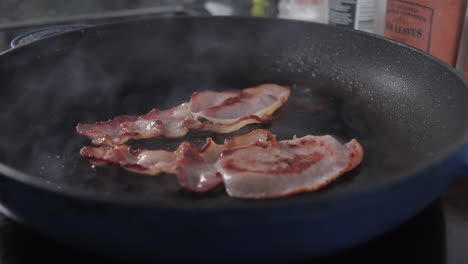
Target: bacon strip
193,165
172,123
251,166
227,107
224,112
274,169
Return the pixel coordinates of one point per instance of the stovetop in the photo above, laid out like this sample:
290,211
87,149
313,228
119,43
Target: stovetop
437,234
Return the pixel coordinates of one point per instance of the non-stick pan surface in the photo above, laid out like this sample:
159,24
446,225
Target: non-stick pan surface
405,107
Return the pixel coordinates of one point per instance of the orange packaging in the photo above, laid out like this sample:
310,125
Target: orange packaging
433,26
465,68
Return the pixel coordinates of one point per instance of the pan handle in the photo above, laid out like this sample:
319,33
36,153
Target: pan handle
40,33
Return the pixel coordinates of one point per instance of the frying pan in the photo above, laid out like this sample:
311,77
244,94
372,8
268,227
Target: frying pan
407,109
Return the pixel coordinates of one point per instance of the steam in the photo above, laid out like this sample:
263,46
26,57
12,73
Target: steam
94,75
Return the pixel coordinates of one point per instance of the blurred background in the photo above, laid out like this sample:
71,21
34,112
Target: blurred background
438,22
18,16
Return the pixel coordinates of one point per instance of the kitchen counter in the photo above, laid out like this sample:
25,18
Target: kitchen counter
438,234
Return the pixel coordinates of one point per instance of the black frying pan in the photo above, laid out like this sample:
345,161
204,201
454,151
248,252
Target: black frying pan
406,108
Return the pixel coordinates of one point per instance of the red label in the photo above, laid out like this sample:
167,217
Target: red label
409,23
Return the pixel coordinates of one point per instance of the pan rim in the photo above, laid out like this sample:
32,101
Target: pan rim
400,179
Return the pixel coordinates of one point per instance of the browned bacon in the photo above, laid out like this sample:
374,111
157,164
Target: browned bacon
224,112
273,169
251,166
194,166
